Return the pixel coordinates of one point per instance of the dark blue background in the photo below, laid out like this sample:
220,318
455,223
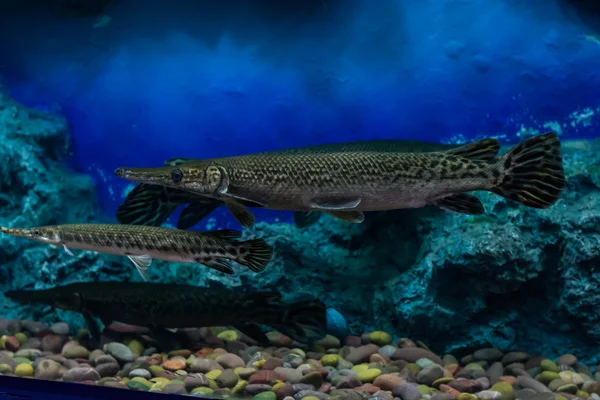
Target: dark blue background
199,78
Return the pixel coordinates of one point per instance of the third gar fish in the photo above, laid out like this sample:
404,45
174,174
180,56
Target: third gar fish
346,184
142,244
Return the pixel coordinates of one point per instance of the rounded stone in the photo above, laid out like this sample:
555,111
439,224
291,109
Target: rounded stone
567,359
76,351
24,370
119,351
265,396
140,372
489,354
137,385
380,338
61,328
368,375
549,365
330,360
505,389
230,361
48,369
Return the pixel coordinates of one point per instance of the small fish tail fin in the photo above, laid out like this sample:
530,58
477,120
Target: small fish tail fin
531,173
304,320
255,254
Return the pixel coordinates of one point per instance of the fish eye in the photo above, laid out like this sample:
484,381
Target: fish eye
176,175
37,233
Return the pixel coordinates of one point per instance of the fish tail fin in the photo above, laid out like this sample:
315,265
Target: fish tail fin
304,320
255,254
531,173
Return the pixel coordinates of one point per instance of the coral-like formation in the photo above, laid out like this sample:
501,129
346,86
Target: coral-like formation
512,278
36,188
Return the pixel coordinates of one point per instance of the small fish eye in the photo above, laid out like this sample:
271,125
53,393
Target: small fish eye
176,175
36,232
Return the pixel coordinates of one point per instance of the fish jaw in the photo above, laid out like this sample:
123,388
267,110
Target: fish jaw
48,235
199,178
158,176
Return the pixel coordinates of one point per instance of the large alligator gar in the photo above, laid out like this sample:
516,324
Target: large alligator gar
142,244
170,306
346,184
152,205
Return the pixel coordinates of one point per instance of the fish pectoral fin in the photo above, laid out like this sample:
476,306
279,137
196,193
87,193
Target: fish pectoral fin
226,234
342,203
172,330
220,264
92,325
461,203
482,150
253,331
241,214
243,200
349,216
305,219
69,252
142,262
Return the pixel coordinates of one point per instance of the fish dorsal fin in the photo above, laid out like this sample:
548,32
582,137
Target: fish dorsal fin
341,203
482,150
355,217
226,234
244,216
461,203
172,162
142,262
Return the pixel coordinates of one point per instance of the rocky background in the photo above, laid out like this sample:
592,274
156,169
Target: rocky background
513,278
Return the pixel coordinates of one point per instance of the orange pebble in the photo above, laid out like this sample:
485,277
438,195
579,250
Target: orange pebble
509,379
204,352
379,358
367,387
174,364
452,368
451,391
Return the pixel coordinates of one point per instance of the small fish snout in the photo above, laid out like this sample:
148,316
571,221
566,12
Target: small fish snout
120,172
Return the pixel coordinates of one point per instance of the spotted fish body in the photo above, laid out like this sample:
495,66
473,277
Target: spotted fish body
153,204
169,306
345,184
144,243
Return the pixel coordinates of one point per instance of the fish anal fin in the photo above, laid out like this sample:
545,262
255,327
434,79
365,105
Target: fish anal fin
461,203
342,203
142,262
355,217
482,150
244,216
306,219
253,331
219,264
226,234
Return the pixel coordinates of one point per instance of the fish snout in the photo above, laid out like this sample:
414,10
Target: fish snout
120,172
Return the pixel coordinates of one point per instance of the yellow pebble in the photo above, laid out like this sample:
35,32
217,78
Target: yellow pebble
24,370
582,394
159,380
360,367
368,375
214,374
380,338
212,384
124,381
21,337
136,347
259,364
141,380
3,340
467,396
317,348
310,398
278,386
228,335
203,390
240,386
159,385
330,360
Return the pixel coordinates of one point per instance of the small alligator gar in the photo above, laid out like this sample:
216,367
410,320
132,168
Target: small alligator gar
169,306
142,244
152,205
346,184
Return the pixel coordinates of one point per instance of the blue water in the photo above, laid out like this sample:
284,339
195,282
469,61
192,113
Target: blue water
205,79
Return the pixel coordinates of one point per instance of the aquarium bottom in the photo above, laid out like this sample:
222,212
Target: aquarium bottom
27,388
